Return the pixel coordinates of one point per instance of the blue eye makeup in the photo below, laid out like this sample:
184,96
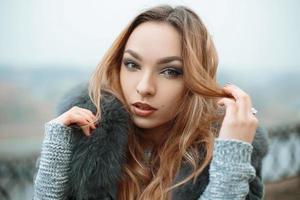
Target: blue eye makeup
168,72
172,72
130,64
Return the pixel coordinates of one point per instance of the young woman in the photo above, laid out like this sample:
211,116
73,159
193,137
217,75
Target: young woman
150,124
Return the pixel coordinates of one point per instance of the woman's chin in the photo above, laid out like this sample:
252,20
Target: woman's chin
144,123
147,123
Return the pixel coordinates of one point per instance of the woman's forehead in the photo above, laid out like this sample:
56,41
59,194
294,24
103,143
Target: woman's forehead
153,39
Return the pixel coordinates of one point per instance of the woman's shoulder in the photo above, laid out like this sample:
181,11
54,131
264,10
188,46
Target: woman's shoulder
78,95
75,96
96,160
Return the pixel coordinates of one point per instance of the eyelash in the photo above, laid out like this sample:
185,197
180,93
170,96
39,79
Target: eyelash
171,71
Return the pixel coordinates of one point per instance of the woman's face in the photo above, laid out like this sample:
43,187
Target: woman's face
152,73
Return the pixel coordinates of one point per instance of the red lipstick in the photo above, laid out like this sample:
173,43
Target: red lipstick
143,109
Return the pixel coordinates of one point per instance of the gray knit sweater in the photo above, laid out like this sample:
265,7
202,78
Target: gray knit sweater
229,173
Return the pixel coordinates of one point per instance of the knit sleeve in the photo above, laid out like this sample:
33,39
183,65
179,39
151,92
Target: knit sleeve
230,171
52,175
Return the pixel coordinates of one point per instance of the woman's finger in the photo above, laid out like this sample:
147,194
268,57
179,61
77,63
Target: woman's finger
90,113
242,99
77,109
230,105
82,122
88,117
86,130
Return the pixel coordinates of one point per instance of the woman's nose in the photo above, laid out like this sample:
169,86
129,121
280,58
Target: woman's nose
146,86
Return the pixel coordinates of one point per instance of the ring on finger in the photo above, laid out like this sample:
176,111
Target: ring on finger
254,111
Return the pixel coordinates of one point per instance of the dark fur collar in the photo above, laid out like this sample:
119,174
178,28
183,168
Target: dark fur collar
97,161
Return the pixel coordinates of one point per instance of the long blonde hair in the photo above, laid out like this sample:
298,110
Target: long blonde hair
192,128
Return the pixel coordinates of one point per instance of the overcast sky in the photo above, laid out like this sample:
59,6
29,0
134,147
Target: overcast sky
248,34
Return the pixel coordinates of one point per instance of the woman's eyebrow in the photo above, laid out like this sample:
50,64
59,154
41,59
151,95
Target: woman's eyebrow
160,61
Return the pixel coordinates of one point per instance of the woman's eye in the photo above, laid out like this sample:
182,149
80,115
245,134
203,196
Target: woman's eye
172,72
130,65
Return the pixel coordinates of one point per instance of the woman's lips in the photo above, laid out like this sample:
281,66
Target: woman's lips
143,110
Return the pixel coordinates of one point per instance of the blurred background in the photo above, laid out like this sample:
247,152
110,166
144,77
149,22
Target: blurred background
48,47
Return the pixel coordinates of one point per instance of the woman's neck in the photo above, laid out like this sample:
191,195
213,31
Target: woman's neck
155,136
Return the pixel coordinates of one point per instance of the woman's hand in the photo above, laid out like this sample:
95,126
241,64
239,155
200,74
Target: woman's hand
80,116
239,121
